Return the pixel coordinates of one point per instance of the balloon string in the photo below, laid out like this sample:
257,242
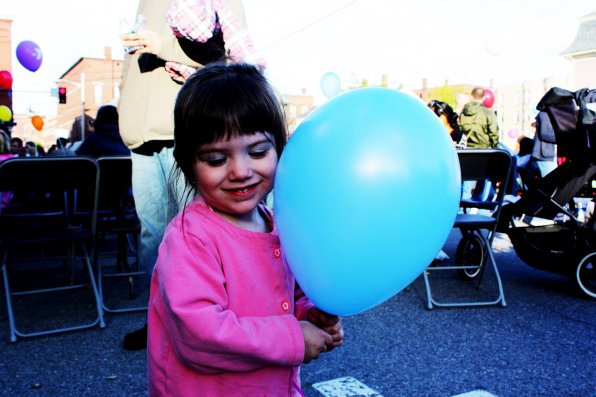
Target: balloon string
298,388
306,27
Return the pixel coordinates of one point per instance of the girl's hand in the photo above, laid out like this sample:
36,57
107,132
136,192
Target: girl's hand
328,323
315,341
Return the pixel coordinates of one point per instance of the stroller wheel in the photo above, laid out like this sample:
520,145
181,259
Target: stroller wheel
585,275
469,253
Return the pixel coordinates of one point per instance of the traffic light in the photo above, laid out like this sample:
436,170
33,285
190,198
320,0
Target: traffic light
61,94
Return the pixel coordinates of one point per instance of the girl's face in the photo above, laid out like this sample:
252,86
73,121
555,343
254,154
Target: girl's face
445,122
234,176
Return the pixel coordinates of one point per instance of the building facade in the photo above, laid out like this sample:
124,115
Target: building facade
582,54
90,83
296,108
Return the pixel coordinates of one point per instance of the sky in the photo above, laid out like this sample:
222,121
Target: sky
461,41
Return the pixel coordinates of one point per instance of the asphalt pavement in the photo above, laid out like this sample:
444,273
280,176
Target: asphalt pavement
541,344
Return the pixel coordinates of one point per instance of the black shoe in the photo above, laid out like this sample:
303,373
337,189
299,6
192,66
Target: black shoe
136,340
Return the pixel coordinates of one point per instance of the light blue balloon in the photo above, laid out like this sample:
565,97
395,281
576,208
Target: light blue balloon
366,193
330,84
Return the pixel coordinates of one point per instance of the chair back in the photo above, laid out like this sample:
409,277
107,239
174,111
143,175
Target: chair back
479,164
486,164
115,187
45,186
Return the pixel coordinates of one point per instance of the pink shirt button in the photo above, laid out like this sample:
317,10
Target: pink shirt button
277,252
285,306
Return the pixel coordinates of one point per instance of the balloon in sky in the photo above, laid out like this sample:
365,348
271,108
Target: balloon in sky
489,98
494,46
29,55
5,113
366,194
330,84
37,122
5,80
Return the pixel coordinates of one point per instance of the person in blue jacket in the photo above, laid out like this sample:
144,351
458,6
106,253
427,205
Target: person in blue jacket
106,140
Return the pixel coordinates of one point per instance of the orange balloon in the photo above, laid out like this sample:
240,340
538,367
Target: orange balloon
37,122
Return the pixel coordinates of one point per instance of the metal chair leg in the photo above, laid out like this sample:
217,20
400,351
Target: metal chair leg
11,324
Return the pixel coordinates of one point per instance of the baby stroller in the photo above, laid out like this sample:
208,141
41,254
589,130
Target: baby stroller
563,242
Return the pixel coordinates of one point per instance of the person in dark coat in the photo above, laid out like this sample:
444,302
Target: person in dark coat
106,140
544,150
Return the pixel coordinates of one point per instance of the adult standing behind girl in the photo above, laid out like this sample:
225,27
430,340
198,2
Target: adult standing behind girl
152,77
226,317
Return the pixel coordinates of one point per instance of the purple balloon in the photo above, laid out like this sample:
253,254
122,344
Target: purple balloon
29,55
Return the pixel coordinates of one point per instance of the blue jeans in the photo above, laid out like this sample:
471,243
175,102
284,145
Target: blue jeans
477,190
546,166
158,198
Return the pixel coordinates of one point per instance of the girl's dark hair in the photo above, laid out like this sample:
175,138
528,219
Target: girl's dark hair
222,101
441,108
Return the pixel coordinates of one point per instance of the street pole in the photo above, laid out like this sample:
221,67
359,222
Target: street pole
82,106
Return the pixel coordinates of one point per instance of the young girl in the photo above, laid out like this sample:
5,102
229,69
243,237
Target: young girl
449,118
225,315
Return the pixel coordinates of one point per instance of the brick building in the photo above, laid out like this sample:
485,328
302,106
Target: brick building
90,83
296,108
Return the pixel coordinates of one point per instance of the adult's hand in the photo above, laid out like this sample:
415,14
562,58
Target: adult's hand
143,41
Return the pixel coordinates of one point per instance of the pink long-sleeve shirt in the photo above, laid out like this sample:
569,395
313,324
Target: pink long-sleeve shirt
223,312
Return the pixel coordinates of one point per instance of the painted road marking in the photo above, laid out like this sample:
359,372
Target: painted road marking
352,387
345,387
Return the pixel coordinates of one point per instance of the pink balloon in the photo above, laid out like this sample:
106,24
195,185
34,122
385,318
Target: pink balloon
513,133
489,98
5,80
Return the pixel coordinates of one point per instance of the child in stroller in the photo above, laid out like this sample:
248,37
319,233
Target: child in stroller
566,244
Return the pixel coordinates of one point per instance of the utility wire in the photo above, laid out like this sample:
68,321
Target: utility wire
309,25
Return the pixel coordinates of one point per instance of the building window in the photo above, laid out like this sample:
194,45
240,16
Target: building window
293,111
116,92
98,93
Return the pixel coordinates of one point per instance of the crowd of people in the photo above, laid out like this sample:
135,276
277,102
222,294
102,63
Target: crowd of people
225,310
476,127
101,140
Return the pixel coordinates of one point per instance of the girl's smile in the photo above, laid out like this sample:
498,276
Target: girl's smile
233,177
244,191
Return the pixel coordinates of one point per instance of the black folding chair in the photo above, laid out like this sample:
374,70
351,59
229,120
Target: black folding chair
117,218
478,230
37,228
